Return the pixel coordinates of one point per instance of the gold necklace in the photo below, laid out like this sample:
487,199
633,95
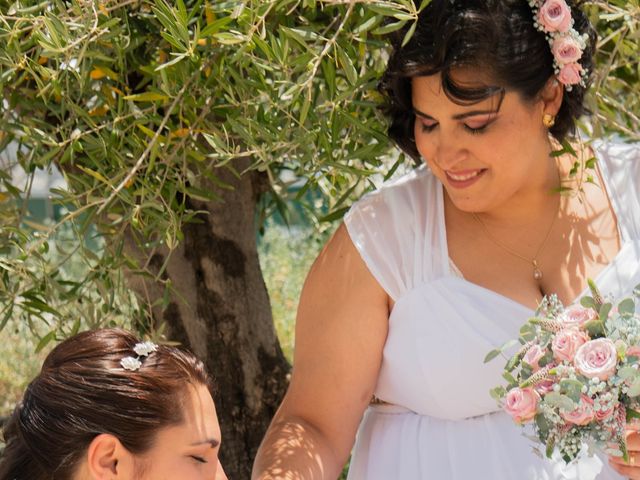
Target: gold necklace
537,271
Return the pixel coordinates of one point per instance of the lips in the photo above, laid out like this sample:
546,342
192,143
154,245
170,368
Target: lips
464,178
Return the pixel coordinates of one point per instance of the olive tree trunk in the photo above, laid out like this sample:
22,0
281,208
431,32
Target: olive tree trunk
222,314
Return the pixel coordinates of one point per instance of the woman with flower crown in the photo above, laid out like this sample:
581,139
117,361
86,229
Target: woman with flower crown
435,269
106,406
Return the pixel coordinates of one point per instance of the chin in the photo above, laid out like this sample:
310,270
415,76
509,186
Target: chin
466,204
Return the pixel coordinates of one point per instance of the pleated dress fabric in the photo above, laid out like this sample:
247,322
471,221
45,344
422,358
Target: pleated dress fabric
439,421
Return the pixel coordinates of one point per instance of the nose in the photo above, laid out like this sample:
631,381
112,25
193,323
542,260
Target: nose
220,475
449,152
444,146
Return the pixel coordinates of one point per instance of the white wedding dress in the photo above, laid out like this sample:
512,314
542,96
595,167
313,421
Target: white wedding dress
440,422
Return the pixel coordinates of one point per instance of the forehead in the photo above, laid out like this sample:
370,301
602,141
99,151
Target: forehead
467,77
200,413
200,421
428,93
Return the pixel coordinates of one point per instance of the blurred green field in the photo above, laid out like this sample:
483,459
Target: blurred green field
18,364
285,258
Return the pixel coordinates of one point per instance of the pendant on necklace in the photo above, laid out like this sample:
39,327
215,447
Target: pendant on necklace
537,273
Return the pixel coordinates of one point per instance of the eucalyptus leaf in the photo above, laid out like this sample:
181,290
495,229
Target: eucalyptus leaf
543,424
492,354
509,378
588,302
626,307
595,328
626,373
557,400
572,389
634,389
605,309
498,393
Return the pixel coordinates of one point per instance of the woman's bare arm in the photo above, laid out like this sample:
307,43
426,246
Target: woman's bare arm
341,328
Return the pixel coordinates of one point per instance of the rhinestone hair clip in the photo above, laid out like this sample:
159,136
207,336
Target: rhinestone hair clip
142,350
553,18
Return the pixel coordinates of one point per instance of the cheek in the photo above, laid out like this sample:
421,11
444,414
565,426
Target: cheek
160,465
143,468
425,147
177,468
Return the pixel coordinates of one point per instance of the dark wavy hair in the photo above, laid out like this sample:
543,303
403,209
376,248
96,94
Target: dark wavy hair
83,391
496,36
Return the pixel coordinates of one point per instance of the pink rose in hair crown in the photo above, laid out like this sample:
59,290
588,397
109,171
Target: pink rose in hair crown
555,16
521,404
566,343
533,356
583,413
566,49
577,316
596,358
570,74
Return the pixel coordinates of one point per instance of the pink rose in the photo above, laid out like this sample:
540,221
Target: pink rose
633,350
533,356
577,315
545,387
555,16
566,343
570,74
583,413
596,358
567,50
603,415
521,404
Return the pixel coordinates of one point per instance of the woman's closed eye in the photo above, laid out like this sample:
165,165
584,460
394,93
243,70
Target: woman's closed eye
475,129
471,127
428,126
199,459
478,124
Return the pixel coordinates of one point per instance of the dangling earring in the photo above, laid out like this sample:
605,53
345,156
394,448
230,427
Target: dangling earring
548,120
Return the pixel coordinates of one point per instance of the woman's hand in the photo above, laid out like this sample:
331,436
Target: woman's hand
630,470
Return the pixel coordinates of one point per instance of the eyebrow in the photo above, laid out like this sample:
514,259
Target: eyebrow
459,116
211,441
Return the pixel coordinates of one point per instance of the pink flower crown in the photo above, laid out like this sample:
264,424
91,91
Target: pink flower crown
553,17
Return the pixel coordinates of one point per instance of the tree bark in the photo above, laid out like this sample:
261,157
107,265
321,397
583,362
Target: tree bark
222,314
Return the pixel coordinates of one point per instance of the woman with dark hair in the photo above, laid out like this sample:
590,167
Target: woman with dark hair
432,271
107,406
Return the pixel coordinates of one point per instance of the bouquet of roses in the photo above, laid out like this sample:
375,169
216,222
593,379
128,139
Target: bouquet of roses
576,375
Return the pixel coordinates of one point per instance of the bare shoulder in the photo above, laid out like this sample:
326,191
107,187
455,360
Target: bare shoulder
341,262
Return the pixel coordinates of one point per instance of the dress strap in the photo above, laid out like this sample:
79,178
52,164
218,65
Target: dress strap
397,230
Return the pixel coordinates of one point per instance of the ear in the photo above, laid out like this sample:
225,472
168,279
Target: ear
551,96
107,459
